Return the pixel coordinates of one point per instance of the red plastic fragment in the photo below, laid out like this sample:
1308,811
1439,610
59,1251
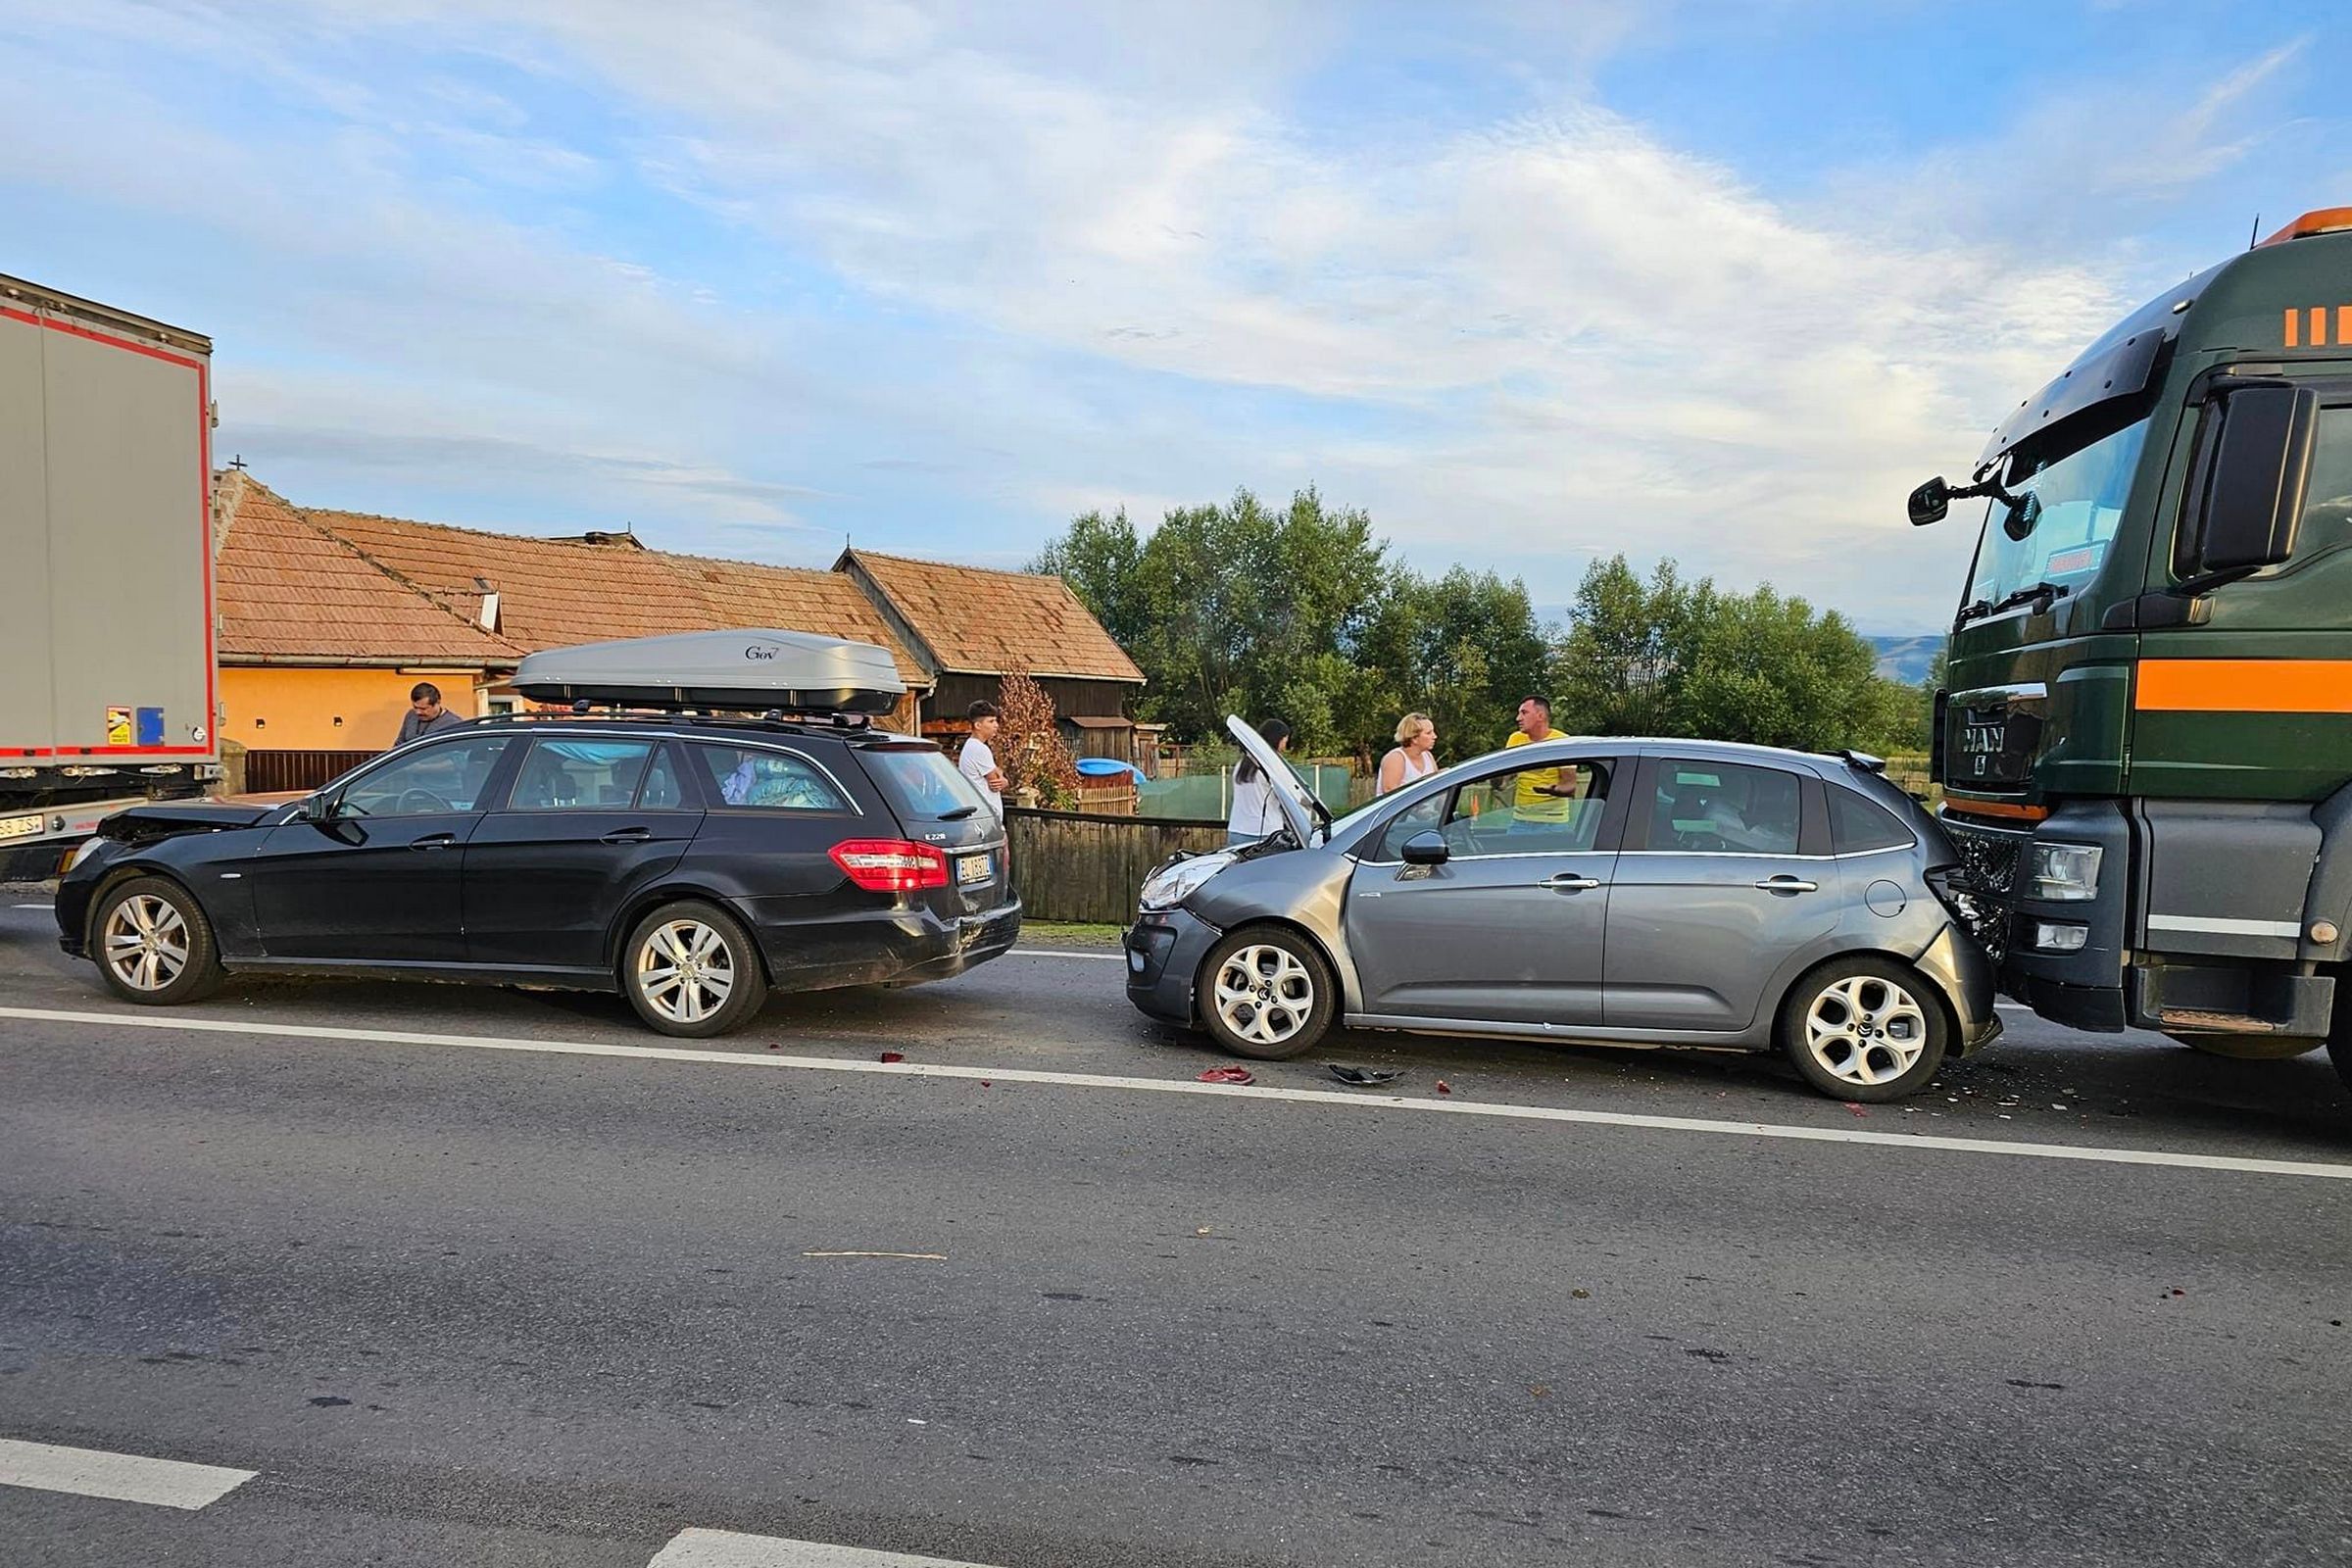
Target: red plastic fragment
1444,1088
1228,1075
894,1056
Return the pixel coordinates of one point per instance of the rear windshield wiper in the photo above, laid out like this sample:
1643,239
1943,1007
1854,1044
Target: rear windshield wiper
958,814
2041,595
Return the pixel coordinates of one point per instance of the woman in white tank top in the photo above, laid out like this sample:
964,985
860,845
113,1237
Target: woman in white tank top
1415,755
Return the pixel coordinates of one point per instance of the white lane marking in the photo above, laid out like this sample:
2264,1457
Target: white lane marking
1063,953
726,1549
2092,1154
125,1476
35,906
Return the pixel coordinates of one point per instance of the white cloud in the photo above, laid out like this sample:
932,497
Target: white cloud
1549,336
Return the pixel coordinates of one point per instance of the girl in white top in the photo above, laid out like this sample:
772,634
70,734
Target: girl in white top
1255,813
1415,755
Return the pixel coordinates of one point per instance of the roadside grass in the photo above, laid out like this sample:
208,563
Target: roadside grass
1068,934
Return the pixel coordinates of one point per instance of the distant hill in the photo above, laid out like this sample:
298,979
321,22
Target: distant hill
1906,659
1903,658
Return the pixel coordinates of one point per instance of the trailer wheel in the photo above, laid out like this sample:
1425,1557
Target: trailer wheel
153,943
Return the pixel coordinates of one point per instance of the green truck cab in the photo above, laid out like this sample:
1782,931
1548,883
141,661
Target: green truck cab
2146,735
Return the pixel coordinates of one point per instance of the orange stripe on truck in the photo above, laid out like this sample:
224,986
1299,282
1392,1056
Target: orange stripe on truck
2244,686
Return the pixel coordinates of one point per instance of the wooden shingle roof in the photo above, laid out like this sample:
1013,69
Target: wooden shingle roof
978,621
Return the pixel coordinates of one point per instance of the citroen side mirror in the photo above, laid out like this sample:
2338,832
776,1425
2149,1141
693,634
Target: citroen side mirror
1426,847
1929,502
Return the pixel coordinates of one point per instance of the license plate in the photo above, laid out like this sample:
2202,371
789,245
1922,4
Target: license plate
972,868
18,827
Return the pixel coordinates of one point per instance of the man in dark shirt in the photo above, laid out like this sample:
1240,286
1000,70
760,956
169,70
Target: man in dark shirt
426,714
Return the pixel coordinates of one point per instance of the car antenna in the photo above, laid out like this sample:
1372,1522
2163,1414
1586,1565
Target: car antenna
2254,233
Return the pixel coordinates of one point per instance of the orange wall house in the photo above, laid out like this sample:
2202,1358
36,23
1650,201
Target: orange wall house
283,708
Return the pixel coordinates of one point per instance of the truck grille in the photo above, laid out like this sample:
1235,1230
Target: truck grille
1984,884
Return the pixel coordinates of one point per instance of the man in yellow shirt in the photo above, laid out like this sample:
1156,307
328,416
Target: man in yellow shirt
1541,793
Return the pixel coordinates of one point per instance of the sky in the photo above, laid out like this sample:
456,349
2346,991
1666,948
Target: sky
1531,284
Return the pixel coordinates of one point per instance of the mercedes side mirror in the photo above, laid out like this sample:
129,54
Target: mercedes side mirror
1929,502
314,808
2255,462
1426,847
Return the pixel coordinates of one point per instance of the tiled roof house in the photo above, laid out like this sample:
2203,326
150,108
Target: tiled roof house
327,618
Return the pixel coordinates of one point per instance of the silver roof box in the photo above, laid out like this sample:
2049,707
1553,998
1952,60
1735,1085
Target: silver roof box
741,672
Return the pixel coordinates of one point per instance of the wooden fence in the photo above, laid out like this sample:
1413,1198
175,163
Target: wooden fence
275,772
1070,866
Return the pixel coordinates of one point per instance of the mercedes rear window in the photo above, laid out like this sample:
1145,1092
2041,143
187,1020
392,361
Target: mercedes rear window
921,782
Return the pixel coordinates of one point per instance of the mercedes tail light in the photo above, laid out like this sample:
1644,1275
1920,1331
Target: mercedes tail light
892,866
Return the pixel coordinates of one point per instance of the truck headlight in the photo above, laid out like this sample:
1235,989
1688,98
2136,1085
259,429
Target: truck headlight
2064,871
1171,885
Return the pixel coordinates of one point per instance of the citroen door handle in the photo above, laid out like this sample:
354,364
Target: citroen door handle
1789,884
433,840
1567,882
629,835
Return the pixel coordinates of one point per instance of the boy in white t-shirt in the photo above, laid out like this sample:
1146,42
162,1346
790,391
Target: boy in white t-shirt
978,758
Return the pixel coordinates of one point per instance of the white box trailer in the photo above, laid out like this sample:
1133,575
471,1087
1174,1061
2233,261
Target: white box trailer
108,680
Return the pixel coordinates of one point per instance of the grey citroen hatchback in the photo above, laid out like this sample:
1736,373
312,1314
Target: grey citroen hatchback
1609,892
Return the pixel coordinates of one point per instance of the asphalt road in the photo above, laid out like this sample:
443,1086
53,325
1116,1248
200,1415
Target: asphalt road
451,1303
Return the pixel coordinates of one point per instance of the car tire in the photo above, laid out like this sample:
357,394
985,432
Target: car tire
2249,1048
1267,993
1865,1028
153,943
692,971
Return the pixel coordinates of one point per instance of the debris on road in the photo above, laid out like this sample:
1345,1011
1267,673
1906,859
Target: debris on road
1444,1088
1856,1110
1228,1075
894,1056
1363,1077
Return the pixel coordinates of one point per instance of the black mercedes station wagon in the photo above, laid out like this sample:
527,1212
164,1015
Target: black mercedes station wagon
691,864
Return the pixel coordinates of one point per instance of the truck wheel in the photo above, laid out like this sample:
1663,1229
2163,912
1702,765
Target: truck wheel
692,970
2250,1047
1266,993
154,946
1864,1028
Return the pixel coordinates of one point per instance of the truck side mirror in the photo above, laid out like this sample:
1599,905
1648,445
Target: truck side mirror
2254,464
1929,502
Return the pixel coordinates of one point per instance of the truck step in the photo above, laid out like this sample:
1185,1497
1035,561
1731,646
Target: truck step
2195,1022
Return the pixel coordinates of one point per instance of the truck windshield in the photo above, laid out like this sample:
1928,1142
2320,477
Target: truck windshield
2073,497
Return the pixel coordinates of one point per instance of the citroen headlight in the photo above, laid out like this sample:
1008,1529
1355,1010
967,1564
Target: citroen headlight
1171,885
2064,872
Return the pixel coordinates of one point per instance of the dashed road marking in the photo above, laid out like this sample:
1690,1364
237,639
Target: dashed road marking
2089,1153
124,1477
724,1548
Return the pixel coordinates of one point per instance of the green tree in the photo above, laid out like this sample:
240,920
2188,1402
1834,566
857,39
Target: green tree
1670,657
